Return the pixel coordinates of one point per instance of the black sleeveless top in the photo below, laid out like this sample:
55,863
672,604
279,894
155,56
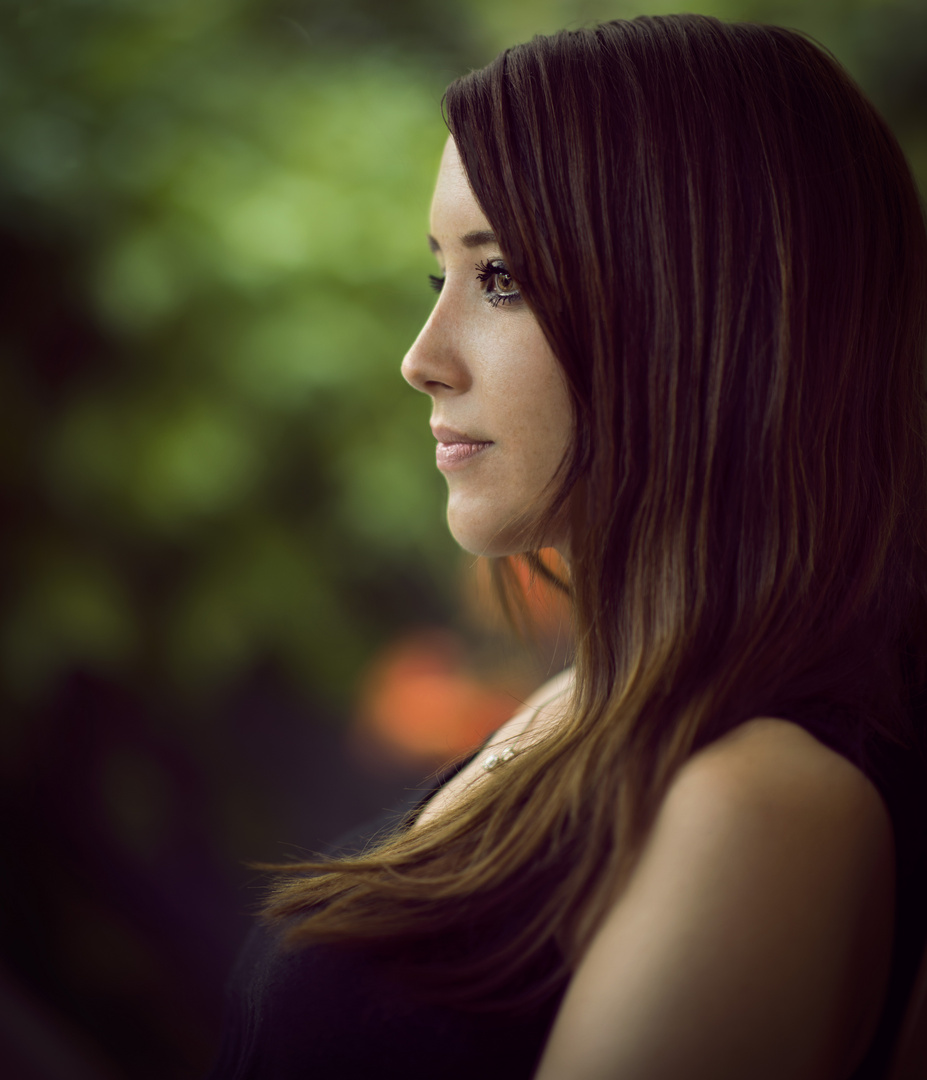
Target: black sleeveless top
330,1012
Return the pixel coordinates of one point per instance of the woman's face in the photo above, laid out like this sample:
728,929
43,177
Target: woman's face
500,408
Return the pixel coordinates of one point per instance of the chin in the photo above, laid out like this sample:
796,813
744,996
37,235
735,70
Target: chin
480,538
495,534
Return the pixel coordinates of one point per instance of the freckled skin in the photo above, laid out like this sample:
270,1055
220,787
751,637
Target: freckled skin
491,375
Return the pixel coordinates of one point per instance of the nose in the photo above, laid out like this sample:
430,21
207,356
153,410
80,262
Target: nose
433,364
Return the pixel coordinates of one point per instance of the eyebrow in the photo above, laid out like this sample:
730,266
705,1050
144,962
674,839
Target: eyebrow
480,238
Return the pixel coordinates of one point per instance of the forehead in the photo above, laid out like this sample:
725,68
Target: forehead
454,209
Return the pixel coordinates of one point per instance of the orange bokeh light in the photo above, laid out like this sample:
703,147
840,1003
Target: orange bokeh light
420,703
424,701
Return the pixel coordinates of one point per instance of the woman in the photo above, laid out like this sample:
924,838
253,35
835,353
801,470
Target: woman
679,338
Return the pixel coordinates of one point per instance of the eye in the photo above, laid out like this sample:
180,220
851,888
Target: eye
500,286
436,283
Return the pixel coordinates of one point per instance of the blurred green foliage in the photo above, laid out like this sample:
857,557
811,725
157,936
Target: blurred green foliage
213,215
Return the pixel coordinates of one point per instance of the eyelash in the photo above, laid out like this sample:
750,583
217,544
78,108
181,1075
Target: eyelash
485,272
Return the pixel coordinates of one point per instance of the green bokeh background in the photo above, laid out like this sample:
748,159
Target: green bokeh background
212,216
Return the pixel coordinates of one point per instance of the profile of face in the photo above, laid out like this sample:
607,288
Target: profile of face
500,406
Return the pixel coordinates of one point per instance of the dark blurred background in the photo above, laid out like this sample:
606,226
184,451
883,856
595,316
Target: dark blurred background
233,623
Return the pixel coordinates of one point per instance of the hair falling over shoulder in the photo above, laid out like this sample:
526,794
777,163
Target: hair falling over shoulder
723,244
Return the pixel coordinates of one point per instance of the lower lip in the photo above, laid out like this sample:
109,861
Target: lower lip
455,455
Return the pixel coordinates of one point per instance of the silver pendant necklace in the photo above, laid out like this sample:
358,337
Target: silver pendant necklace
497,757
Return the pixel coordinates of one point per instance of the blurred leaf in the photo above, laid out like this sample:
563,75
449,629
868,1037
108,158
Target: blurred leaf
164,463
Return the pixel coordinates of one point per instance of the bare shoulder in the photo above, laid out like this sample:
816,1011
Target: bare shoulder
769,774
756,928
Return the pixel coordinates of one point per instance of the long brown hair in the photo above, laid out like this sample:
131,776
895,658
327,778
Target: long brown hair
722,242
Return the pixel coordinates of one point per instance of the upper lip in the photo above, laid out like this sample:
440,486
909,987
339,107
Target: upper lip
449,435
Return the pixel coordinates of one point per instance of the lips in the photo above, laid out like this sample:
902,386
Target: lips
456,449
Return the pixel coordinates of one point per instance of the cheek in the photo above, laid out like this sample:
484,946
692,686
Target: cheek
538,428
520,374
547,401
